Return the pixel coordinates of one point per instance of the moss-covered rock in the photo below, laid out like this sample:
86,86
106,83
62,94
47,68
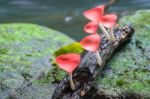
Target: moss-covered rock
128,72
25,54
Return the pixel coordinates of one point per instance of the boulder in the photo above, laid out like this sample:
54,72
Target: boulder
25,54
127,73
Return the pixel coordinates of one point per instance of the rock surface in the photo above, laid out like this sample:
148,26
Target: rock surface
127,74
25,54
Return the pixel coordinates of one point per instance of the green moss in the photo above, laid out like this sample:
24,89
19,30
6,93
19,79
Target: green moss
71,48
120,82
3,51
54,75
140,21
137,86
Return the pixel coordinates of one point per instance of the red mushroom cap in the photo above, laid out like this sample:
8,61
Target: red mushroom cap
95,13
109,20
91,42
91,27
68,62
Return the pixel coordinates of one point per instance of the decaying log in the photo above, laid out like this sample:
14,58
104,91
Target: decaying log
85,75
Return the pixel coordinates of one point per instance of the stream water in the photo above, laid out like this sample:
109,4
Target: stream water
62,15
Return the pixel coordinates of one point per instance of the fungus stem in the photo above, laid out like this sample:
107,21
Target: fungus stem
105,31
112,35
71,81
99,59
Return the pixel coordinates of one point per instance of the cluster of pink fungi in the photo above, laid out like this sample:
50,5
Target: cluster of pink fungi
70,61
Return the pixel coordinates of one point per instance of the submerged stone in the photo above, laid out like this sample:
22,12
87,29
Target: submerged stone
130,75
25,54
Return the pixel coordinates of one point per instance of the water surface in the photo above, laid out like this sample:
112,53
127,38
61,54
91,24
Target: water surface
62,15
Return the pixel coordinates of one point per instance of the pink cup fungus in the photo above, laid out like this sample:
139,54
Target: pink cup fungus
96,15
91,43
108,20
91,27
69,63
